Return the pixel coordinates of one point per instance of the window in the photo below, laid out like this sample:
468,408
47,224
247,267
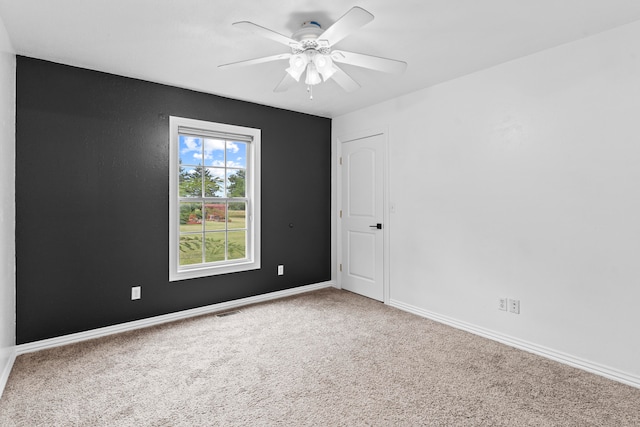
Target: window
214,199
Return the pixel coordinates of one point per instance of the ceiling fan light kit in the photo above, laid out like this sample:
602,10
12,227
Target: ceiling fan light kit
311,52
313,77
315,63
297,65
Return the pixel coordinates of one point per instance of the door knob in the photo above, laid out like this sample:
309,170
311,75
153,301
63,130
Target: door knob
378,226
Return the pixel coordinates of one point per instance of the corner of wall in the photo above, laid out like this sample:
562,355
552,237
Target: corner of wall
8,357
7,205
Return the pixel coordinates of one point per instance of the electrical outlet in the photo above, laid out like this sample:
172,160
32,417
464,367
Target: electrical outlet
514,306
135,292
502,304
281,270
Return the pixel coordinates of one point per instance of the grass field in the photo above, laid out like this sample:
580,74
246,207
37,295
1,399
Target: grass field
237,221
214,247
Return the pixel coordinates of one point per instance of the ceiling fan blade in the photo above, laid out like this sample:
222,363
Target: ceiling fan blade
355,18
257,60
367,61
344,80
286,82
265,32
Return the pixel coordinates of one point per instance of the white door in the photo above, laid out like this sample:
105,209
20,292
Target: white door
362,216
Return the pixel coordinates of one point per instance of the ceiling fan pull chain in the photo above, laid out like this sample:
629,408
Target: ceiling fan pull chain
310,90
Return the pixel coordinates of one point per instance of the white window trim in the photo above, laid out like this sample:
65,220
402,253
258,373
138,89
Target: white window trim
252,262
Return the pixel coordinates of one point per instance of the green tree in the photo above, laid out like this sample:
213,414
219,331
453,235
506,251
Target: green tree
185,212
191,180
236,184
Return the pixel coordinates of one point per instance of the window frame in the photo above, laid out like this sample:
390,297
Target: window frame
252,186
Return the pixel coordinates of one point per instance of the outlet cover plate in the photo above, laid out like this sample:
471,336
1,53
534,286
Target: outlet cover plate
281,270
514,306
502,304
135,292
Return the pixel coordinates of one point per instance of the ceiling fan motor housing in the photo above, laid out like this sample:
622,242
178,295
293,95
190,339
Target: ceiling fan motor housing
307,36
308,30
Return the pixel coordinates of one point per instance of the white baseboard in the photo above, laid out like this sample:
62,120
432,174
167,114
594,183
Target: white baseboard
558,356
6,369
157,320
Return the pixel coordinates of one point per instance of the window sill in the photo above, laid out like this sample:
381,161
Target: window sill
193,273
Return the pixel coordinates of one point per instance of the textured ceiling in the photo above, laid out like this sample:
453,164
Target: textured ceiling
181,43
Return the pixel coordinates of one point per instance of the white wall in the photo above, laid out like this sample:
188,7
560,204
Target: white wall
523,181
7,203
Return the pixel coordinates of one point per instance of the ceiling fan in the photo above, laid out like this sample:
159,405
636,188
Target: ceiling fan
312,51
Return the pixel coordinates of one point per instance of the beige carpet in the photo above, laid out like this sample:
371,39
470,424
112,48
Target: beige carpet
327,358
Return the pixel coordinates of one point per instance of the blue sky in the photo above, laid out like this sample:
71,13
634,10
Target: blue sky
192,153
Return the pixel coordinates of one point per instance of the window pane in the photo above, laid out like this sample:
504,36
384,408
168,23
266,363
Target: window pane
214,152
216,215
237,244
235,183
190,150
237,215
190,181
190,249
190,217
213,182
214,246
236,154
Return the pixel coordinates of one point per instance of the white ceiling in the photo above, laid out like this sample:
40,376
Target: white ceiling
181,43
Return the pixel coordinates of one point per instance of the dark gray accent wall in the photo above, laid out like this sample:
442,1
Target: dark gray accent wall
92,160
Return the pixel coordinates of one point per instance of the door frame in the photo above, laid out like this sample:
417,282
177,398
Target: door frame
351,136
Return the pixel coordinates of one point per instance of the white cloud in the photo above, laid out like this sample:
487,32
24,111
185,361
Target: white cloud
213,144
233,147
217,172
192,144
213,149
